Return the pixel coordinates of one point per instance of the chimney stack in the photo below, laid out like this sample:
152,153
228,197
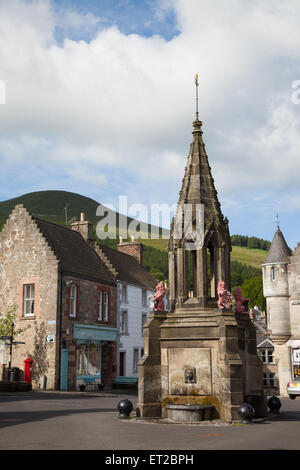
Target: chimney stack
84,227
132,248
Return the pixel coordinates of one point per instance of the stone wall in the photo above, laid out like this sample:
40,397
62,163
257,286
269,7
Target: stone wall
25,257
87,313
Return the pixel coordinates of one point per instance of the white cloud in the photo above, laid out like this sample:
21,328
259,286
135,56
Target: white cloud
126,102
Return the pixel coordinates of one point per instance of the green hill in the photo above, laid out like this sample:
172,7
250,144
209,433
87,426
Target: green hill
59,207
52,206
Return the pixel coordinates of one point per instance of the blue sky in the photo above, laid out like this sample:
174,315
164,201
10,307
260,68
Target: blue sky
100,101
131,17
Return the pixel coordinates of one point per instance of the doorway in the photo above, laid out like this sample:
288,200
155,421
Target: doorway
122,363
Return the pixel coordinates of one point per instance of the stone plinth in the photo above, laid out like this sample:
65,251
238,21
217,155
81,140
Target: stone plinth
199,357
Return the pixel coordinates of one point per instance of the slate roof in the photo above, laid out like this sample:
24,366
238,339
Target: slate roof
263,342
129,269
279,251
74,253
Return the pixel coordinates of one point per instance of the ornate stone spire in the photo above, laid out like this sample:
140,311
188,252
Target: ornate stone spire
198,190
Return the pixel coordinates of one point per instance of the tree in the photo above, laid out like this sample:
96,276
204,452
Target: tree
7,320
253,289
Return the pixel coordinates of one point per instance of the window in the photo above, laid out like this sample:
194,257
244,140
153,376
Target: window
269,380
273,273
73,300
105,306
88,359
28,296
263,356
267,356
100,305
144,297
144,319
135,360
124,322
270,356
124,294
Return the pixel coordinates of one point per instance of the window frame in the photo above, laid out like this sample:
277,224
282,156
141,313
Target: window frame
264,356
124,332
79,350
144,314
124,299
136,358
73,301
270,379
144,297
105,306
273,273
29,299
100,305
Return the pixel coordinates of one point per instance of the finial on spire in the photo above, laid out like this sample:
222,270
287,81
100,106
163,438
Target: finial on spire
277,220
197,84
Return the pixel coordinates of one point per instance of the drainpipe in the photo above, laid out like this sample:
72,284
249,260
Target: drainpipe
60,323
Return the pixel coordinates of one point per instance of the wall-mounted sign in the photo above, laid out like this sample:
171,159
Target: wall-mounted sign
50,338
296,355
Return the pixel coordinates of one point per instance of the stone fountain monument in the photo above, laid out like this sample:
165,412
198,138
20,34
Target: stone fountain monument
201,353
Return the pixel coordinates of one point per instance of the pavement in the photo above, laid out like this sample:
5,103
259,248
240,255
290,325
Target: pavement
46,420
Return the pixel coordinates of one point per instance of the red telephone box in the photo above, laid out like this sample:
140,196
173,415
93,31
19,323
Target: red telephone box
28,369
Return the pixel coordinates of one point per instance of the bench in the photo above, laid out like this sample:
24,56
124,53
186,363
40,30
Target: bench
123,380
91,384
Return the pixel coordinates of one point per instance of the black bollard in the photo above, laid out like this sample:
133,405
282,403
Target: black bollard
247,413
125,407
274,405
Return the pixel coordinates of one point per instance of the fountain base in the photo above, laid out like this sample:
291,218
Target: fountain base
190,413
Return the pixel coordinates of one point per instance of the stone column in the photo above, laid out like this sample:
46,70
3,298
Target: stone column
201,276
182,271
213,270
149,369
172,280
231,380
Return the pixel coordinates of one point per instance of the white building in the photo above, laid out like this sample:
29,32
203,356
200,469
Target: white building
135,284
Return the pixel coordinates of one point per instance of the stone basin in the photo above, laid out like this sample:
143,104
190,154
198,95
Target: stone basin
190,413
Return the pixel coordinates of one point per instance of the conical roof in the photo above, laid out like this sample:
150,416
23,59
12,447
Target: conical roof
198,183
279,250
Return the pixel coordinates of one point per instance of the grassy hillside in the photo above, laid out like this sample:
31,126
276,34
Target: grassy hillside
249,256
244,255
50,205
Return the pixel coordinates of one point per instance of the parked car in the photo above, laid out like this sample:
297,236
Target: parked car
293,389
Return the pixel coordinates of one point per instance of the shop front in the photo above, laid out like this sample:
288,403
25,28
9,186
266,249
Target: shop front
95,348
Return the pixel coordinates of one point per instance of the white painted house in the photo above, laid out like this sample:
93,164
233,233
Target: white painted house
134,285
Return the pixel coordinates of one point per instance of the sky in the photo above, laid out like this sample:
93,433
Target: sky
100,100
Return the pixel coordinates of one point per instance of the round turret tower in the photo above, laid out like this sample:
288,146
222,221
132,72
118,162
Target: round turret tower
276,288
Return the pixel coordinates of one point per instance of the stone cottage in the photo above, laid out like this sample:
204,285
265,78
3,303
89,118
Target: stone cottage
66,300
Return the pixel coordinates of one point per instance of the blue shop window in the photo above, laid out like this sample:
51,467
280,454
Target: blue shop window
88,359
